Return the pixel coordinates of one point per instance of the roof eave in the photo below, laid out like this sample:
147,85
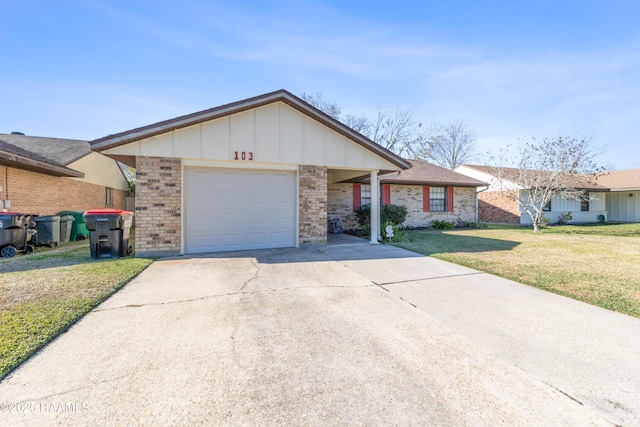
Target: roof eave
20,162
433,183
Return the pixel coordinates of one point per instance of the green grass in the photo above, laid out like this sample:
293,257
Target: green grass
44,293
599,265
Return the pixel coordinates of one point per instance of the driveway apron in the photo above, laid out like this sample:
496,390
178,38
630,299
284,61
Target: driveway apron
332,335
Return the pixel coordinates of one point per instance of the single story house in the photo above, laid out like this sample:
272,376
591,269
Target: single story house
252,174
612,195
429,192
43,176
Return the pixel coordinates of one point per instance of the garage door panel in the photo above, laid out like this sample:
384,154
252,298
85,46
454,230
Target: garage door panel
234,210
281,238
256,238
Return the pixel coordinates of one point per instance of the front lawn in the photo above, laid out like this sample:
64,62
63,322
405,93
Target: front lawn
44,293
599,265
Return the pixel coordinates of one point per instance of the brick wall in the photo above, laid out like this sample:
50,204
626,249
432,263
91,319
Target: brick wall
340,205
158,206
313,204
497,208
37,193
464,205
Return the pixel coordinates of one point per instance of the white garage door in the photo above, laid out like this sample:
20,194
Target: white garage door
228,210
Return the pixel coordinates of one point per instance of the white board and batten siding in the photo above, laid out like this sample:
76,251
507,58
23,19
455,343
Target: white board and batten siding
267,135
624,206
559,206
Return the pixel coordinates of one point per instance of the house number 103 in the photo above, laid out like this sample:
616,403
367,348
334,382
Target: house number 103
242,155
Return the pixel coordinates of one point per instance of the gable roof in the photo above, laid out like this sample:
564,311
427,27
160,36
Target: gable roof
580,182
425,173
282,95
40,154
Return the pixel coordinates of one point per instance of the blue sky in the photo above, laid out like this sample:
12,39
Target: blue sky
512,70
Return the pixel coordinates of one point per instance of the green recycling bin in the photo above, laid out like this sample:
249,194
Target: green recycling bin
79,229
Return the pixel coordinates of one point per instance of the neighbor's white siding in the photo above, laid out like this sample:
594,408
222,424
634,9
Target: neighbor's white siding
624,206
597,206
275,133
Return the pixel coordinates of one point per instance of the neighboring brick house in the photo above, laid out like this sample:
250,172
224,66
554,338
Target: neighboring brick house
44,176
494,206
429,192
253,174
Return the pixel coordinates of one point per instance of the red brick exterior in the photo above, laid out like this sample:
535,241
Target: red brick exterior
37,193
495,207
158,206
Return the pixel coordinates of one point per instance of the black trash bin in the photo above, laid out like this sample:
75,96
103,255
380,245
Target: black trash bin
109,232
66,222
48,230
15,233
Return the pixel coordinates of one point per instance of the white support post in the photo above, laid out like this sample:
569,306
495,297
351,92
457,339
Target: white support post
375,207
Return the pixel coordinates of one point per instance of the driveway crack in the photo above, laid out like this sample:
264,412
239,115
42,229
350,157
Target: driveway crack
229,294
255,276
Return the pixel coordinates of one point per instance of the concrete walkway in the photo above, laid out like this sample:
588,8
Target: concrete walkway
314,336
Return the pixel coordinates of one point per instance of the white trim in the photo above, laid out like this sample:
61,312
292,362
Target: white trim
220,164
375,208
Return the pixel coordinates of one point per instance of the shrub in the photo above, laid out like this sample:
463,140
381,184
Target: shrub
441,225
394,214
564,218
470,224
544,221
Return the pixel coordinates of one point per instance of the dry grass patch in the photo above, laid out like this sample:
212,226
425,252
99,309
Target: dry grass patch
590,265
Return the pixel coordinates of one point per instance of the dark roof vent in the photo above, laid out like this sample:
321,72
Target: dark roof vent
17,133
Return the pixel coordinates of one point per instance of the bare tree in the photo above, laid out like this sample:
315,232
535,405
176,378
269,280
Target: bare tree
452,144
360,124
546,169
397,131
317,100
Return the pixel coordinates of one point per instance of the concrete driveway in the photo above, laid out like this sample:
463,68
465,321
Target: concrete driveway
336,335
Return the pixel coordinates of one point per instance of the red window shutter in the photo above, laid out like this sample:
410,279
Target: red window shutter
449,199
357,197
386,194
425,199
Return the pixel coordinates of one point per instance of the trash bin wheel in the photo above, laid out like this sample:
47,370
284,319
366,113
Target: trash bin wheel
80,237
28,249
8,251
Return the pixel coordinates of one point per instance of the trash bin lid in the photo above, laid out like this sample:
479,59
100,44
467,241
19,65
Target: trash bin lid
50,218
107,212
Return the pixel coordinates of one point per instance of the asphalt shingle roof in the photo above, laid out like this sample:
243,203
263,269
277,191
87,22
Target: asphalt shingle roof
621,180
423,173
586,182
54,151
